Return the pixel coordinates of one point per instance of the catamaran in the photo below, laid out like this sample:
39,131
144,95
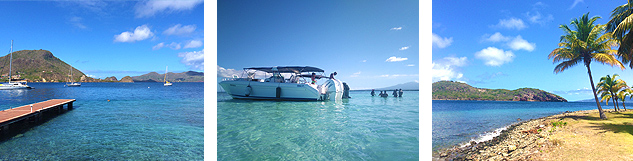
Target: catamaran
167,83
72,83
13,85
276,87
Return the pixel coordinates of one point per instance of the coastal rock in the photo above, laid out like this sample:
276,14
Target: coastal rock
512,148
110,79
126,79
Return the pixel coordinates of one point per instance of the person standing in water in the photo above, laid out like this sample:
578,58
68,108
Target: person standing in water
372,92
400,93
395,93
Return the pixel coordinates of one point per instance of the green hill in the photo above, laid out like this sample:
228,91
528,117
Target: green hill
37,66
449,90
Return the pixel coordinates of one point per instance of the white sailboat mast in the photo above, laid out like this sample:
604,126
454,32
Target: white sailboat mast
166,73
10,60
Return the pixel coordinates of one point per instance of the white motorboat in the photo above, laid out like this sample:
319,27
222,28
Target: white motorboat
276,87
167,83
13,85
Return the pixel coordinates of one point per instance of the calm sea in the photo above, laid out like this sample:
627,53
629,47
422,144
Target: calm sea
359,128
142,121
458,122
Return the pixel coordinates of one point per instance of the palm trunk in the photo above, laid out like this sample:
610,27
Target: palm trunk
624,106
615,103
595,96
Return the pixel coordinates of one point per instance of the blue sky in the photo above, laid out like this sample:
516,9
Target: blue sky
109,38
505,44
370,44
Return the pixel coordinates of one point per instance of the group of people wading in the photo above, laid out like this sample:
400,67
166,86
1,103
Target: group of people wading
396,93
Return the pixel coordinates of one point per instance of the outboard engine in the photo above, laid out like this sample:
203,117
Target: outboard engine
331,89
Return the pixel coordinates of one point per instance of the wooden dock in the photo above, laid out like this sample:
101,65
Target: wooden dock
24,116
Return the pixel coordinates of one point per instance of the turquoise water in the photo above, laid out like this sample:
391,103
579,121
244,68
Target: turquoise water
458,122
138,123
360,128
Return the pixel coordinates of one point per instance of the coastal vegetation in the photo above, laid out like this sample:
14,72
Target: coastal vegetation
587,43
609,87
450,90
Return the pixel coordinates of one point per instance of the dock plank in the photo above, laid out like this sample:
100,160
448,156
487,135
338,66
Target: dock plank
15,113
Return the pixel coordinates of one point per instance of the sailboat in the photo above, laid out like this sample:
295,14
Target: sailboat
13,85
167,83
72,84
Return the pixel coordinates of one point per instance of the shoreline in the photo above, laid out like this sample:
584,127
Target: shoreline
523,140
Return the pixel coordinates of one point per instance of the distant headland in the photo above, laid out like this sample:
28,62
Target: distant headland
450,90
42,66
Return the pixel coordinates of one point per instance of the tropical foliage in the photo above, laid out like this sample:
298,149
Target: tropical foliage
620,26
609,87
623,94
585,44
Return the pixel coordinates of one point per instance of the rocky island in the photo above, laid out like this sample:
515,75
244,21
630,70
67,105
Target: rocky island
450,90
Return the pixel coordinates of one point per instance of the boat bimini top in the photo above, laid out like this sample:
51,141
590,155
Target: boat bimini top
288,69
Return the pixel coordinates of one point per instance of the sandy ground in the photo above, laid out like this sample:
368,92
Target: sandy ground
579,135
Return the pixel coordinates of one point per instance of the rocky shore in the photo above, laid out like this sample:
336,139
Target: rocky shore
521,141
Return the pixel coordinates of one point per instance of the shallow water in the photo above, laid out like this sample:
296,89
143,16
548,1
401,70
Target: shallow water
458,122
360,128
142,121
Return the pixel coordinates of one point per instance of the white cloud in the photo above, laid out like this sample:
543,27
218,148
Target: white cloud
538,18
396,28
395,59
497,37
194,59
193,44
386,75
355,74
442,42
158,46
180,30
228,73
140,33
76,21
410,65
364,61
512,23
174,45
150,8
575,3
495,57
519,43
515,43
404,48
446,68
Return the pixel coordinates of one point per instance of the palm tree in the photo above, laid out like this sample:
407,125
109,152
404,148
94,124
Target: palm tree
623,93
583,45
620,26
608,87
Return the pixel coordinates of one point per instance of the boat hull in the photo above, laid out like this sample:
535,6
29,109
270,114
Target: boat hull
268,91
14,86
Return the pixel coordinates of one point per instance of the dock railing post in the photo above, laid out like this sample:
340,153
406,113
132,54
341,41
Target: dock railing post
31,107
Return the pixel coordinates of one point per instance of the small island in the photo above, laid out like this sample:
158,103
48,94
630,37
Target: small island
451,90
